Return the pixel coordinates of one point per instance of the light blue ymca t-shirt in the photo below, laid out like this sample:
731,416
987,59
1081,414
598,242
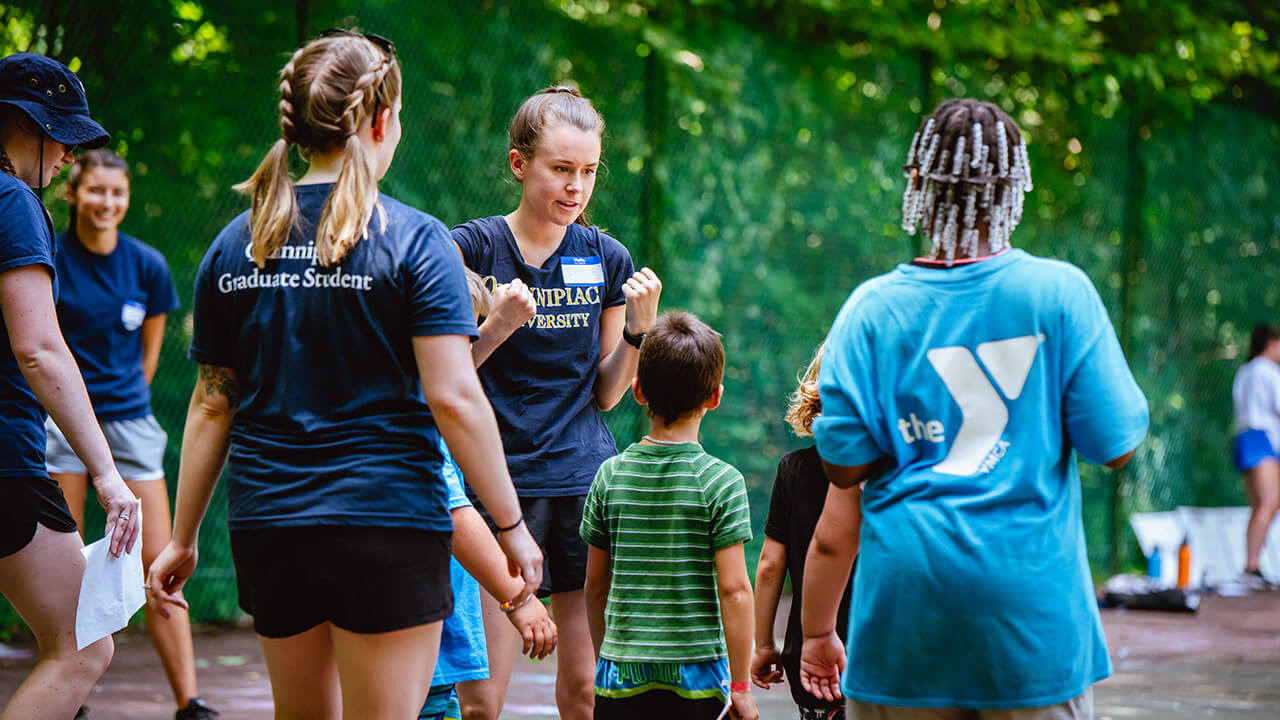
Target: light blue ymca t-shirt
463,655
980,382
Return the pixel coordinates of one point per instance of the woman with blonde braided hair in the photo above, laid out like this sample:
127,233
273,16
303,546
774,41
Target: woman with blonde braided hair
974,375
332,327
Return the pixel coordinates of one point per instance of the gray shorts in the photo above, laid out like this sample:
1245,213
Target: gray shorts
137,446
1079,707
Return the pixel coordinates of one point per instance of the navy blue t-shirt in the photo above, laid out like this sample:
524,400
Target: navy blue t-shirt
26,238
541,380
103,303
332,427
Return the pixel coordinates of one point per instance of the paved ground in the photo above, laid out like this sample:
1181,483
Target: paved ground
1222,663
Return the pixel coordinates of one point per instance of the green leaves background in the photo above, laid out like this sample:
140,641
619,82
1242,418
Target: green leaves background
753,158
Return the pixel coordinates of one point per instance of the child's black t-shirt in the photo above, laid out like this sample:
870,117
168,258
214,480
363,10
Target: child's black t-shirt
799,493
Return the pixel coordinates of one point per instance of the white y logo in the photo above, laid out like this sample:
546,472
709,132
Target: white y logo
984,415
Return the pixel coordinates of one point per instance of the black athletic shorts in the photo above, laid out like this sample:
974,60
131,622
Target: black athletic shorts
657,704
25,501
554,523
362,579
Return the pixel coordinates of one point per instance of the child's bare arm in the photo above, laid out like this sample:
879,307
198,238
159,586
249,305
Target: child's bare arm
826,573
736,613
597,592
766,662
466,422
479,554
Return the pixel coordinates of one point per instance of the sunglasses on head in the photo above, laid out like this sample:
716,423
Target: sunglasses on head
382,42
387,46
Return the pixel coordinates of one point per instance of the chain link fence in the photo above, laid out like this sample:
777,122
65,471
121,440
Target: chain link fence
759,178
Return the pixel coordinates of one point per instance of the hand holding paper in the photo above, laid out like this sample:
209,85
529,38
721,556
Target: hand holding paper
124,511
110,592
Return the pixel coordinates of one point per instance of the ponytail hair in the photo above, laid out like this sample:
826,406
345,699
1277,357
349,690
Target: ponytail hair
328,89
92,159
806,405
1263,335
274,208
548,108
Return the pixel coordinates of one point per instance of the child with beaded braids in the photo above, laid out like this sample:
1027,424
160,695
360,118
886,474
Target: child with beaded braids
978,373
966,159
333,328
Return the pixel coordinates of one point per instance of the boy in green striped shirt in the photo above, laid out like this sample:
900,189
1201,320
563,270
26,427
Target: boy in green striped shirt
669,600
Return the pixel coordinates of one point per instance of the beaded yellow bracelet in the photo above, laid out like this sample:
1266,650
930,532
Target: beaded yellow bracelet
510,606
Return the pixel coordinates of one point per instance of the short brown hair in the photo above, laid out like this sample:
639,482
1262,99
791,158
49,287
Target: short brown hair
1262,336
681,365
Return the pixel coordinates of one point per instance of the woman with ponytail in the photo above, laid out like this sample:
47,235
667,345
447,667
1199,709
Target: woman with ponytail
1255,395
560,346
115,293
332,328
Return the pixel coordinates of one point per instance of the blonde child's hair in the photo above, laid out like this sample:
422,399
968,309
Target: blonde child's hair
805,404
481,298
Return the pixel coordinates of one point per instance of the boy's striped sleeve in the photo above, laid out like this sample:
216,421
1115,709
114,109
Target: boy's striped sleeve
593,529
728,507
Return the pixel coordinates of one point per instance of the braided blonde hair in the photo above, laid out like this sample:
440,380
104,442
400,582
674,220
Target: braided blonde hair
805,404
328,90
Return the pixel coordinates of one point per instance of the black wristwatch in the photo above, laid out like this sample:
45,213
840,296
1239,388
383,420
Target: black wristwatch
632,340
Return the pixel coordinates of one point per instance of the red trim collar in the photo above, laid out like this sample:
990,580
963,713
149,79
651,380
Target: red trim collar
932,262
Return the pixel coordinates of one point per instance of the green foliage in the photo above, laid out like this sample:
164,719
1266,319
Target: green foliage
753,158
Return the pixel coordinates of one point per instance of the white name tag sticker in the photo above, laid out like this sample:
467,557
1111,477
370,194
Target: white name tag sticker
132,314
582,270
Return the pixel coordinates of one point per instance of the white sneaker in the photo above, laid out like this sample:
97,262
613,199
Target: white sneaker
1254,580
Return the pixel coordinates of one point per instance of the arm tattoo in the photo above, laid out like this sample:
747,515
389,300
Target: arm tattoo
221,381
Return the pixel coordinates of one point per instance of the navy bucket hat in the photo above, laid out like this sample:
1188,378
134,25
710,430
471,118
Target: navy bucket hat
52,96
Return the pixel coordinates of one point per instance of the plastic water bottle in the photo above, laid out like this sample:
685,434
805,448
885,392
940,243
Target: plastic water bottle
1184,563
1153,564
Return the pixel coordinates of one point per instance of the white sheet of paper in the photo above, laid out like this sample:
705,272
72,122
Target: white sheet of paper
110,592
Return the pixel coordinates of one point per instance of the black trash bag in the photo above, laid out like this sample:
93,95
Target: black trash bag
1136,593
